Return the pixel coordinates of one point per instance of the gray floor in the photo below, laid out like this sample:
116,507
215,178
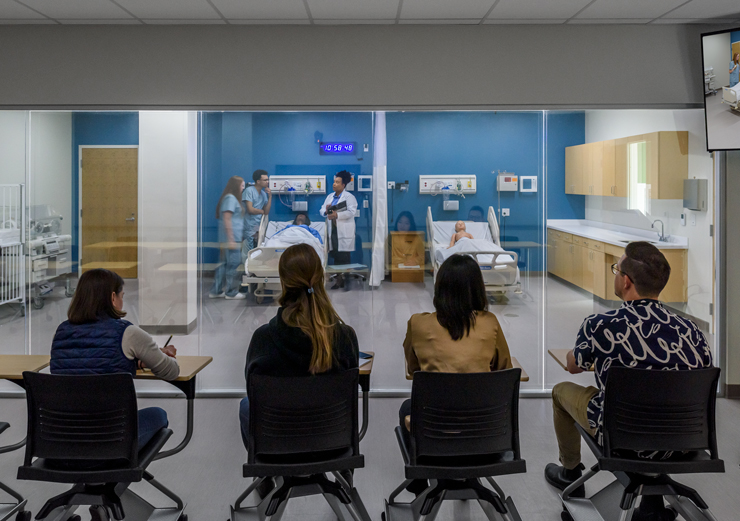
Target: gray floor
208,473
723,123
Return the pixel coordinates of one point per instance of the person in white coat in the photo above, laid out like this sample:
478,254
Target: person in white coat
341,223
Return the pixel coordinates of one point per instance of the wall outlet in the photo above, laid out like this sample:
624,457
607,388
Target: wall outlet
366,147
683,219
391,185
366,204
504,212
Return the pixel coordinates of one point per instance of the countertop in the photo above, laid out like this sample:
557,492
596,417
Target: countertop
616,235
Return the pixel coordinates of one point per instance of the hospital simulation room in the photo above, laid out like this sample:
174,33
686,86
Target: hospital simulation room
551,199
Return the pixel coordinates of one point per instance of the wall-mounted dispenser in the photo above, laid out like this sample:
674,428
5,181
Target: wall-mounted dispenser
695,194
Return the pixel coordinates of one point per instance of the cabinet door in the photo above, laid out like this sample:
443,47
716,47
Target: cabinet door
598,259
587,268
673,164
621,174
573,169
552,255
607,168
573,269
652,157
596,176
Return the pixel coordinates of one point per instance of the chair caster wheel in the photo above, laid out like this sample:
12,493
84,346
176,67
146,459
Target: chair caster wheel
183,517
99,513
382,516
75,518
565,515
23,515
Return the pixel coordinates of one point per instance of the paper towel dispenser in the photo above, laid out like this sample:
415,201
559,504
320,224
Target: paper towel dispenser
695,194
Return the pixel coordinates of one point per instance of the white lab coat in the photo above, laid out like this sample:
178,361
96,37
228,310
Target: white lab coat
345,221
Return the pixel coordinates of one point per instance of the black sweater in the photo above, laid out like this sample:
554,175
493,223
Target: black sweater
277,349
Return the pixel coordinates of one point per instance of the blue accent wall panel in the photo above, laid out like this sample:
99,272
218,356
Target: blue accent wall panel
734,36
564,129
97,128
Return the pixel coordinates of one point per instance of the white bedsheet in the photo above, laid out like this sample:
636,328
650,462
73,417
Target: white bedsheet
443,231
295,235
465,245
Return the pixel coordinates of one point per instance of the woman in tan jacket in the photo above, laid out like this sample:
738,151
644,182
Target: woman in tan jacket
460,337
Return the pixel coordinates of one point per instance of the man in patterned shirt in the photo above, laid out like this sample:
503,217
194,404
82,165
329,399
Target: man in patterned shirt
642,333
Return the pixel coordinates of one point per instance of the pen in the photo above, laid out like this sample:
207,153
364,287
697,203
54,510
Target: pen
168,341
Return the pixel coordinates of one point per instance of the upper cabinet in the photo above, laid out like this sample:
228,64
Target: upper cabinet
642,168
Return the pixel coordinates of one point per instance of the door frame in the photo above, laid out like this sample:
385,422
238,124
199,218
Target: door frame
79,195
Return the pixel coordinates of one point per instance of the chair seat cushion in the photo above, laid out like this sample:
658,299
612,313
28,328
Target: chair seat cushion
301,465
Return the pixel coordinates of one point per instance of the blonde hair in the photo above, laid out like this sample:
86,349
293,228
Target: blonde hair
306,304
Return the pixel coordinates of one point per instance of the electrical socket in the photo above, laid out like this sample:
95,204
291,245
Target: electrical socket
504,212
391,185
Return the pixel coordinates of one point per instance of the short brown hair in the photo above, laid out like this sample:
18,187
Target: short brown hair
647,267
92,300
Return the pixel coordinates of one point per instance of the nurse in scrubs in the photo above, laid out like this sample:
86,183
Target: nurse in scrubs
735,70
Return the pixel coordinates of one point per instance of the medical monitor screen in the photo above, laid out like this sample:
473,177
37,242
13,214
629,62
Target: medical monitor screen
721,67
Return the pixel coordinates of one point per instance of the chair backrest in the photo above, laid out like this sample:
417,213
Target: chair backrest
81,417
458,414
649,410
301,415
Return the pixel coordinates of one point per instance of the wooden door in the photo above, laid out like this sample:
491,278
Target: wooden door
109,210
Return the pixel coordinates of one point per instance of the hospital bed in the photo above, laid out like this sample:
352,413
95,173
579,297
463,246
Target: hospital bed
731,96
261,266
498,267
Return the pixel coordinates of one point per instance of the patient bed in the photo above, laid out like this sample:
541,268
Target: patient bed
731,96
261,266
498,267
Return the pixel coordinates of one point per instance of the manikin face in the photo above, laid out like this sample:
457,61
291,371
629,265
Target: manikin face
300,219
459,226
403,224
619,279
338,185
117,299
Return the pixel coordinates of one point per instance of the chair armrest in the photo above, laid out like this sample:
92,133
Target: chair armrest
151,449
4,426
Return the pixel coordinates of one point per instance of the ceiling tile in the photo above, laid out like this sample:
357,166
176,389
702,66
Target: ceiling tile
362,21
707,9
525,21
78,9
440,21
13,10
629,9
269,21
537,9
720,21
26,21
182,21
169,9
638,21
262,9
107,21
430,9
354,9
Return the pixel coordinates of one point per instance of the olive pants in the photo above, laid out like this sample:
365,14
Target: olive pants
569,406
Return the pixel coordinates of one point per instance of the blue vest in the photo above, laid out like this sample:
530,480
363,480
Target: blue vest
92,348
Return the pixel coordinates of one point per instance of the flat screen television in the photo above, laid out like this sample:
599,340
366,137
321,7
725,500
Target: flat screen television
721,66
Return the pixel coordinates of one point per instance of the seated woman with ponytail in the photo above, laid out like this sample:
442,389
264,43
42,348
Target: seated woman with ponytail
306,337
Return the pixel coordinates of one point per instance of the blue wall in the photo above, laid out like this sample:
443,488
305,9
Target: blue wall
734,36
564,129
97,128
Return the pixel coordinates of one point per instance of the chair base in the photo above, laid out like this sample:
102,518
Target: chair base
427,505
605,505
132,505
12,511
286,488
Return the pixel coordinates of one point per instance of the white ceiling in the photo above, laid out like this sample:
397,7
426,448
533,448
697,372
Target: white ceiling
368,11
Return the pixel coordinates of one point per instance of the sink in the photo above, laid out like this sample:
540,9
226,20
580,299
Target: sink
629,241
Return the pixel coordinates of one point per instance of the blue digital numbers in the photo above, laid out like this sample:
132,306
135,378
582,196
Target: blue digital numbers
336,148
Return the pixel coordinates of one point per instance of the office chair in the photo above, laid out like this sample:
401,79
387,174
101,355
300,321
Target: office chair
8,510
464,427
648,410
300,430
83,430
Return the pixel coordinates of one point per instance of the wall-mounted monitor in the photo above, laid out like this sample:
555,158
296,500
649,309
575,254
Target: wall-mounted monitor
720,73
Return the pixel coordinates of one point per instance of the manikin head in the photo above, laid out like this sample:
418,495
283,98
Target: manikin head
459,226
301,218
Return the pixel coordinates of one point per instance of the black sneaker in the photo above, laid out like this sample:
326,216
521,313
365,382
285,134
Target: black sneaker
561,478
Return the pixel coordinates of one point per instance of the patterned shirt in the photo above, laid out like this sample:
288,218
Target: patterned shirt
641,334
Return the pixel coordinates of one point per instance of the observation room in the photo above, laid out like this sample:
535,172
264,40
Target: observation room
253,253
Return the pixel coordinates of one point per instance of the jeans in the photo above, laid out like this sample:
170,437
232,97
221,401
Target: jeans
244,421
227,278
151,420
569,405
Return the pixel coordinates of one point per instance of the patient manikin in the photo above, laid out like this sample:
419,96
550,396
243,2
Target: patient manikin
302,221
460,233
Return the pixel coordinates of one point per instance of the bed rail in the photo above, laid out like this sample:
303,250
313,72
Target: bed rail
493,225
430,227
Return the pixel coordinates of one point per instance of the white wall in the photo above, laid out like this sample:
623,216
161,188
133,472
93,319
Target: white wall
610,124
732,282
167,216
717,54
51,163
13,147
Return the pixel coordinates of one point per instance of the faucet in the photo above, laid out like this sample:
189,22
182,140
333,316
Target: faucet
661,235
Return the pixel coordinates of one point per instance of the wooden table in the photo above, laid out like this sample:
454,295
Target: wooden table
365,370
514,362
560,356
115,265
13,366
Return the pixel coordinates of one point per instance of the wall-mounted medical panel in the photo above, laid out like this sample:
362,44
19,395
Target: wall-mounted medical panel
441,184
298,184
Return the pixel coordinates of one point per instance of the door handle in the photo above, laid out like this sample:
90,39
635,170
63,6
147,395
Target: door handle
132,218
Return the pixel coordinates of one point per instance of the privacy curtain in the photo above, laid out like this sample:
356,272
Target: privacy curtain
380,199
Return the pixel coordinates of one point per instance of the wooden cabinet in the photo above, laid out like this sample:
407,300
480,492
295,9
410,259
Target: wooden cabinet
407,256
602,168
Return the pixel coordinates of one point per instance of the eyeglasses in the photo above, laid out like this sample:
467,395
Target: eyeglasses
617,271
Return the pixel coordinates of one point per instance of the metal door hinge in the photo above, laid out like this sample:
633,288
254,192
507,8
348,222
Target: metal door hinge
711,230
711,308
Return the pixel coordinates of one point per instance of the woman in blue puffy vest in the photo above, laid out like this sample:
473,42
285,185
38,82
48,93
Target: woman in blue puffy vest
96,340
